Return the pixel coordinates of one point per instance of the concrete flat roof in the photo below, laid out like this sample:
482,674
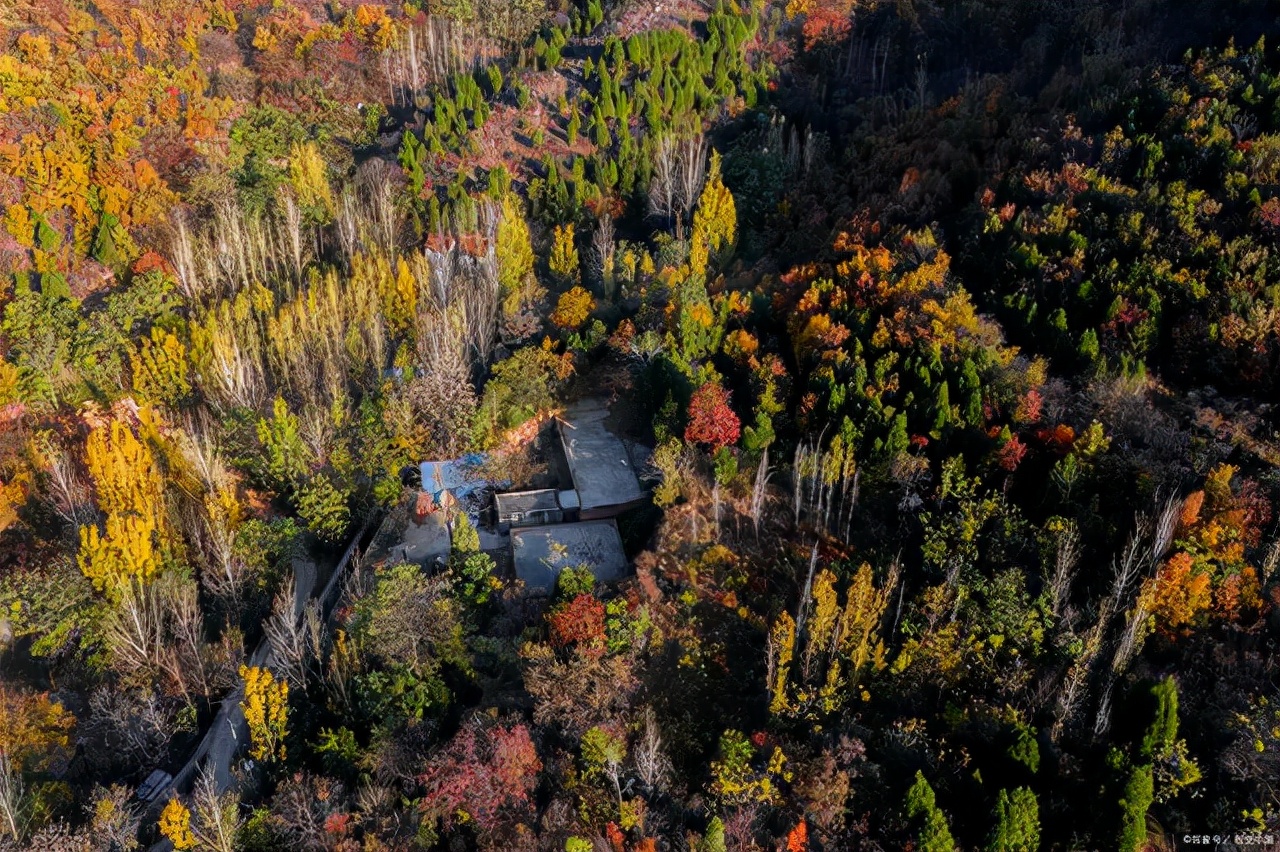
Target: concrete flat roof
526,501
539,554
599,463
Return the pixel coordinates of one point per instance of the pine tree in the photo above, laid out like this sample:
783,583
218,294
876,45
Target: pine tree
1134,802
575,125
1163,731
1017,822
934,834
411,155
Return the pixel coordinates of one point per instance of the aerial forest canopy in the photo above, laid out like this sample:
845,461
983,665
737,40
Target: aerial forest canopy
944,336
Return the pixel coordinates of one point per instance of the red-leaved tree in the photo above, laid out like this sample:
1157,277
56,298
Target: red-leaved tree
579,622
711,420
487,773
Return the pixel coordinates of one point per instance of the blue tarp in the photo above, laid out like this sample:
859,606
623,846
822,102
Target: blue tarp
460,477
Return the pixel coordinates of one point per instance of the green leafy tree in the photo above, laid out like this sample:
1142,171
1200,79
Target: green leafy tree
323,506
285,459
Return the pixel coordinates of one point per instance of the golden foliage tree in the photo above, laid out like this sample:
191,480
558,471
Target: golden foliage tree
564,255
34,730
782,642
307,175
130,488
266,710
161,368
514,250
839,643
175,825
573,308
715,222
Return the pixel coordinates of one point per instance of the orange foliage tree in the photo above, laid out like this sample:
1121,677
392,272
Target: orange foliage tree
1210,577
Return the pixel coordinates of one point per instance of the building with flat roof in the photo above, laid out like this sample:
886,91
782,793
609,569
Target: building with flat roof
527,508
539,554
602,470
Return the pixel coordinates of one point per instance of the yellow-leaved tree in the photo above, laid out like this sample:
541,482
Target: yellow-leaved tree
161,368
307,174
564,255
266,710
514,251
573,309
715,222
130,490
175,825
840,644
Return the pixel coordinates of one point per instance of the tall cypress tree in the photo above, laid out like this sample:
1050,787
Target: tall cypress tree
922,808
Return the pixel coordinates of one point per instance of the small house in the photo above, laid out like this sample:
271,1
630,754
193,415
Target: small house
603,472
527,508
539,554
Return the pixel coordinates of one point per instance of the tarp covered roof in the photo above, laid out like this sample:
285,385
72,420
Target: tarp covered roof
460,477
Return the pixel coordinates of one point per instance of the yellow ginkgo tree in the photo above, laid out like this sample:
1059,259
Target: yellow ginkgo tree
129,483
266,710
175,825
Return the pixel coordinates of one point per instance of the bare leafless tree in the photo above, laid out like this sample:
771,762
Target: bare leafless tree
649,756
602,249
464,290
291,227
134,629
1165,526
182,256
12,798
378,184
692,174
346,222
1066,559
216,819
295,637
301,807
662,185
128,729
758,490
185,659
114,818
70,493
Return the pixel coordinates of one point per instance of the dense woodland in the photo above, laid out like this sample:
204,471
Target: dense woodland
953,326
